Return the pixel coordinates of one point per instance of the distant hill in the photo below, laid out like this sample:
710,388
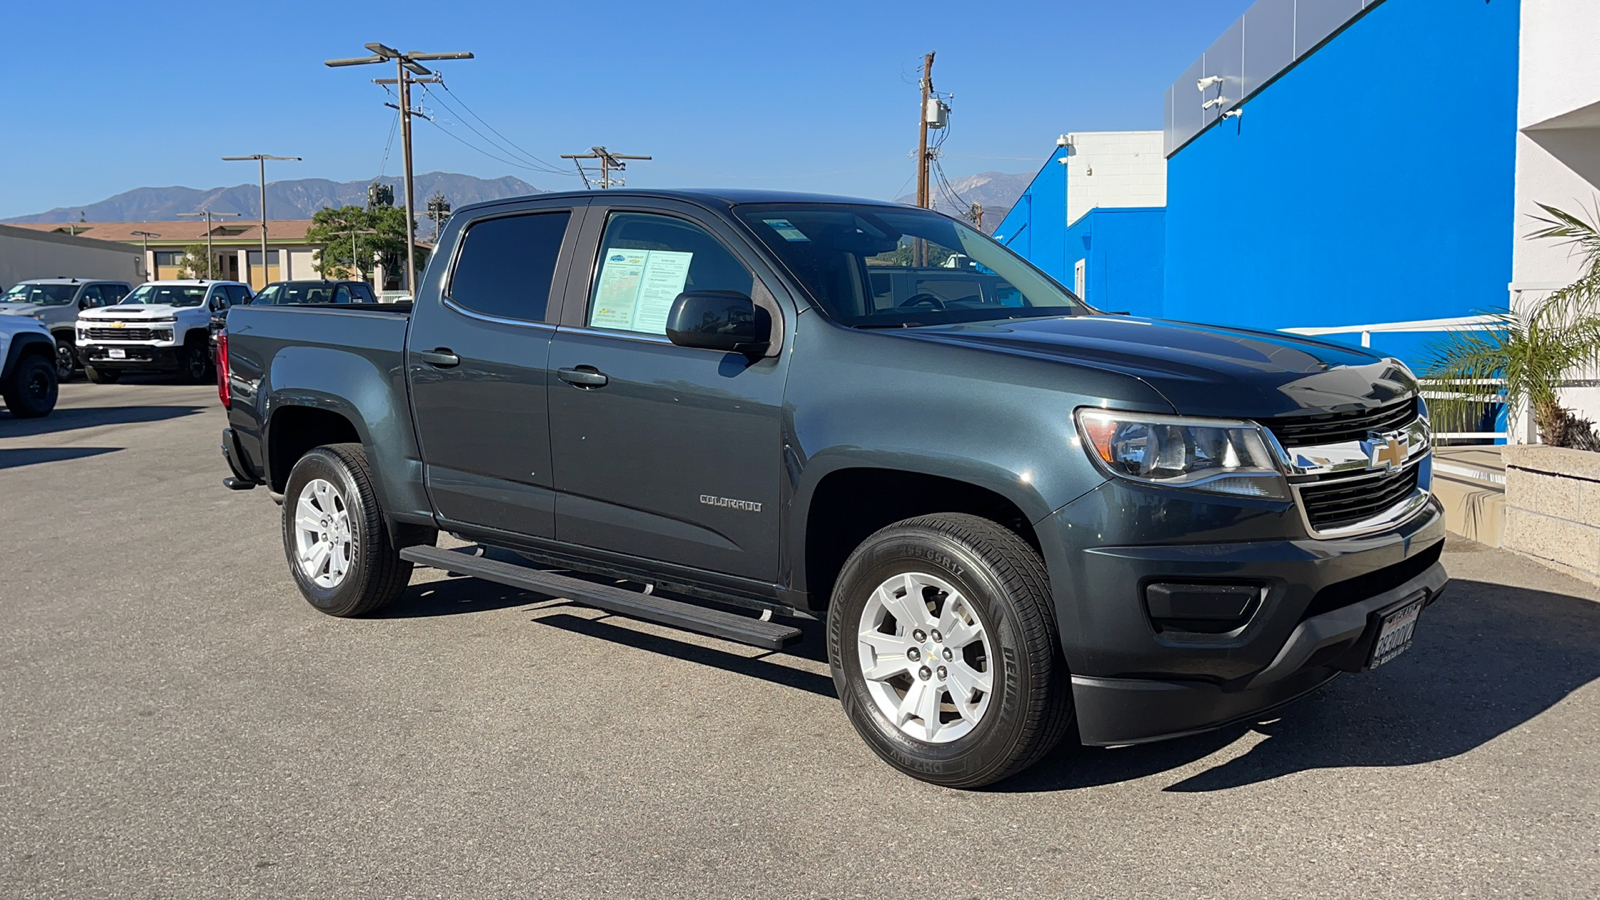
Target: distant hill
296,199
996,191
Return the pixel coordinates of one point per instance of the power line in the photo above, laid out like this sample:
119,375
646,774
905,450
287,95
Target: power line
553,169
609,162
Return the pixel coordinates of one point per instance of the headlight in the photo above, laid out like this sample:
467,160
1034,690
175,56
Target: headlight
1222,456
170,320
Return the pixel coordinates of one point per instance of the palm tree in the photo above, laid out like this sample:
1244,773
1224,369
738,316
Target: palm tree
1534,350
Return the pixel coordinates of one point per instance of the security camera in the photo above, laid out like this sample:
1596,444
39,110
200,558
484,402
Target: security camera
1214,101
1208,81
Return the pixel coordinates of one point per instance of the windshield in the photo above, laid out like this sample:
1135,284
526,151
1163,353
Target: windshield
167,295
288,292
882,267
42,294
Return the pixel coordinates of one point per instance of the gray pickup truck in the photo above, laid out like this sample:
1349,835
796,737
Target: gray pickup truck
1016,514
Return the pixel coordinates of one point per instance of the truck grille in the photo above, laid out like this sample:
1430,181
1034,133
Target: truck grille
130,334
1346,501
1332,428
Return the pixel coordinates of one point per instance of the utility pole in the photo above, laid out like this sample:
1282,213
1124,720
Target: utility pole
609,162
405,65
975,215
210,256
262,159
922,132
144,243
355,266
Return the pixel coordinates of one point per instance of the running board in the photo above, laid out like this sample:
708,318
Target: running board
675,613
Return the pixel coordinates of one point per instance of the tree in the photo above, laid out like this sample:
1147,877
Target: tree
349,248
1534,350
193,263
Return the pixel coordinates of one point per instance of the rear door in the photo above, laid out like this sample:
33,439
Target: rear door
665,452
476,363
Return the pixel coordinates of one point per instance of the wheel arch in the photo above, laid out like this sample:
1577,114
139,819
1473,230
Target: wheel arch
844,505
23,345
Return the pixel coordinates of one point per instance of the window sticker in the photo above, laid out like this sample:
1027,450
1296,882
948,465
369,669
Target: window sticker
637,288
786,230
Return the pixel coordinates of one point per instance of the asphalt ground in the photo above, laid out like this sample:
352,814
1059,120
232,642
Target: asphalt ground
176,722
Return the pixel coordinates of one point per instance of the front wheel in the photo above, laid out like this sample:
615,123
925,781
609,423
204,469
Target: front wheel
66,359
196,362
101,376
335,537
944,650
33,387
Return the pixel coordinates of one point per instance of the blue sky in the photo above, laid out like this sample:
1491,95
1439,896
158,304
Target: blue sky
820,97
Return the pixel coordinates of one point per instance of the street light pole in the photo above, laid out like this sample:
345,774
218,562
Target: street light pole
406,65
262,159
355,268
210,255
144,246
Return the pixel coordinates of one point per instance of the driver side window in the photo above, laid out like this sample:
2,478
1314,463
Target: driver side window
647,260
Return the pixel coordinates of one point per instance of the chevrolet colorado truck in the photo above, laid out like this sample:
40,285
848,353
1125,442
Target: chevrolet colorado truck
1019,516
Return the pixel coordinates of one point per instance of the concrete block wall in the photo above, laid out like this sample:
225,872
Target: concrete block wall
1115,169
1553,507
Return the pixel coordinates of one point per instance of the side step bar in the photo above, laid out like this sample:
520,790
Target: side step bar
675,613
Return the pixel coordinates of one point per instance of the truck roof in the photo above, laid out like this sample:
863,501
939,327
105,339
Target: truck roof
727,197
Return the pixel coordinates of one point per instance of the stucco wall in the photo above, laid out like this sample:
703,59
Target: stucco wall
1122,254
26,254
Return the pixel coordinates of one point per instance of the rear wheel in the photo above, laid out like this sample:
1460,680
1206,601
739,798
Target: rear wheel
33,387
944,650
101,376
335,537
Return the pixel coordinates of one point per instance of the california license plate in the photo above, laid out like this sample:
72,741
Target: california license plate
117,353
1395,632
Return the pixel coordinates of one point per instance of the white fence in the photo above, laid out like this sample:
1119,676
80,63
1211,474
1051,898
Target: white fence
1422,326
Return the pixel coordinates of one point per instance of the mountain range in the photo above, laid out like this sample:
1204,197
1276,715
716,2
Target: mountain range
296,199
300,198
997,192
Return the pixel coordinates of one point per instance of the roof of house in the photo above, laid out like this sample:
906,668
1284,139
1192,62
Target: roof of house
223,231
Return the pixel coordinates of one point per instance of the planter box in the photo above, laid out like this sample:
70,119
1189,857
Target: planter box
1553,507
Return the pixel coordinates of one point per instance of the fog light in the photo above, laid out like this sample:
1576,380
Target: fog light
1201,608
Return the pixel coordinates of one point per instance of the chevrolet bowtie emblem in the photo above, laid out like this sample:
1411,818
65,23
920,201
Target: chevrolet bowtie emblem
1389,455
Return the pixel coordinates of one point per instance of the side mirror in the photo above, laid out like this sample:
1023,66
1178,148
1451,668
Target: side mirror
719,320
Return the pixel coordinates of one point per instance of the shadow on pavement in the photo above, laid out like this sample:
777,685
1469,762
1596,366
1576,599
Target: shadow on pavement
1487,659
456,596
11,459
70,418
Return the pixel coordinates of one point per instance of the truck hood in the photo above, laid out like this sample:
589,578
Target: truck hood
19,309
1200,369
138,311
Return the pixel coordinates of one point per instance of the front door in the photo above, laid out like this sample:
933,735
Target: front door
476,365
664,452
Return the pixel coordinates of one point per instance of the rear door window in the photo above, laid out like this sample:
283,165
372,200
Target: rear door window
507,265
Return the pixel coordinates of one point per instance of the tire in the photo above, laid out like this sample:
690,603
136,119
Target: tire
33,387
66,358
990,583
195,364
373,574
101,376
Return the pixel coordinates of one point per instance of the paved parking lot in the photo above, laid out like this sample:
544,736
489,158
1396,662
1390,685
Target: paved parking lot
177,722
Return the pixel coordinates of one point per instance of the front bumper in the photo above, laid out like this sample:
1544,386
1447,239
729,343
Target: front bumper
135,356
1136,680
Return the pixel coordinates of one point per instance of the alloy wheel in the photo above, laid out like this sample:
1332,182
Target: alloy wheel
324,544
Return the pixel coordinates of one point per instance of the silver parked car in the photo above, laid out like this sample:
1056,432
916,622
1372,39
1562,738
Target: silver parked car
55,303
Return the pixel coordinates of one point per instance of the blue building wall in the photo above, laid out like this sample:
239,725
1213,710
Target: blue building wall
1036,226
1371,183
1122,252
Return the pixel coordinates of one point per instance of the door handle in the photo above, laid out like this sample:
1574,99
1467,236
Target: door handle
586,377
442,358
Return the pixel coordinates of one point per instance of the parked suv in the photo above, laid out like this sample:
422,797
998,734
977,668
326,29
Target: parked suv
28,382
1020,517
162,326
56,302
299,293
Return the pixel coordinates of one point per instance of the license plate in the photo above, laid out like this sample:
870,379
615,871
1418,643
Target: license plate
1394,634
117,353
